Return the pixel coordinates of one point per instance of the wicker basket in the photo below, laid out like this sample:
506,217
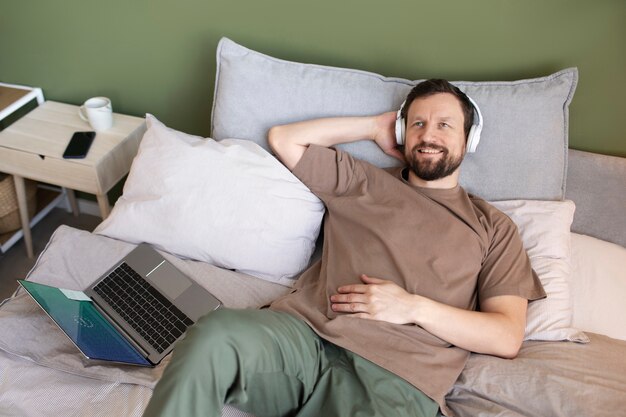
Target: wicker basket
9,211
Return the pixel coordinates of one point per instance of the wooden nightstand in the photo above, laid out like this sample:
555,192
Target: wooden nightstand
33,146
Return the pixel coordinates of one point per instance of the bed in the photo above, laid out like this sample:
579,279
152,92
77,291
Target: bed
569,207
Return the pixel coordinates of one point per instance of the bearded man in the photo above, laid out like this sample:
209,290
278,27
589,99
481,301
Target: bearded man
415,274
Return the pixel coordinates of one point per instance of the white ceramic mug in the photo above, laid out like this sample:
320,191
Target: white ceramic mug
98,111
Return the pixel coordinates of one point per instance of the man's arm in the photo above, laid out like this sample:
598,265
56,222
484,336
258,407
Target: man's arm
290,141
497,329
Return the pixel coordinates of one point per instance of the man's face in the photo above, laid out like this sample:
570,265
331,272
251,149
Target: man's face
435,137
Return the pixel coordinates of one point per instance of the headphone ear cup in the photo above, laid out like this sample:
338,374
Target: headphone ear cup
475,131
400,127
471,137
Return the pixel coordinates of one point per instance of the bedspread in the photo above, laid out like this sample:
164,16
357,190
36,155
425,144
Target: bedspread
43,374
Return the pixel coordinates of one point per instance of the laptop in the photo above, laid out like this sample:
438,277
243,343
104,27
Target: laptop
133,314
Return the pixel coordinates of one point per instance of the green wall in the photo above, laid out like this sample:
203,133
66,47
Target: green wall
158,56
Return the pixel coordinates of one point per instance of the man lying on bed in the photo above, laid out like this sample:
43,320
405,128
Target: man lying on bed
415,274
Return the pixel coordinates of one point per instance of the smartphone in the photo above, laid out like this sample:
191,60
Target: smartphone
79,145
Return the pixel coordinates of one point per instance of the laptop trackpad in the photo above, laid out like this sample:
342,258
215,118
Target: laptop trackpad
169,280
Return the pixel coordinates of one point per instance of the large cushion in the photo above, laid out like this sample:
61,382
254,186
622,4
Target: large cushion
545,230
228,203
522,153
598,286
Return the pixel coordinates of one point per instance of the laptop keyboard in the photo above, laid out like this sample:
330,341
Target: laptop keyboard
152,315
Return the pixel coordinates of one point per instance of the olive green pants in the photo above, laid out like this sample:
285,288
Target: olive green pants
272,364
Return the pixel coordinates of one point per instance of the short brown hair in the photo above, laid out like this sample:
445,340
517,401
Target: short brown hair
436,86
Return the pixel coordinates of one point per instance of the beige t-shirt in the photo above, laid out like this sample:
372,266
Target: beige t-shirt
440,243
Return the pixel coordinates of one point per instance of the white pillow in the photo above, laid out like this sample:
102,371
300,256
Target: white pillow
229,203
598,286
545,230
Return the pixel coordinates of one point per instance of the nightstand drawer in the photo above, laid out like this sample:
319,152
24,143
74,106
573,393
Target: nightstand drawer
64,173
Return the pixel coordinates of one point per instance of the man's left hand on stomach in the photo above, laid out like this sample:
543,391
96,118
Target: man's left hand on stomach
375,299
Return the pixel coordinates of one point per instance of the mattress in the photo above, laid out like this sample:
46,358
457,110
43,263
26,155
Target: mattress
52,378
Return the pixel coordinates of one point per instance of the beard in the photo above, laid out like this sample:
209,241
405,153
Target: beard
431,170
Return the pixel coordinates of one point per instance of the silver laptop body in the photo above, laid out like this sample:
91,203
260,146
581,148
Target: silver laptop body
185,294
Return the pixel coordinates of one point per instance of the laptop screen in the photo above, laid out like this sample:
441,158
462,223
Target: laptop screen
84,325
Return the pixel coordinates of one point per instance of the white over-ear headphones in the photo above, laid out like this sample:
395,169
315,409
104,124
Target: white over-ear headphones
473,136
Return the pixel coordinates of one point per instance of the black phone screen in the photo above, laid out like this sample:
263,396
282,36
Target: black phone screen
79,145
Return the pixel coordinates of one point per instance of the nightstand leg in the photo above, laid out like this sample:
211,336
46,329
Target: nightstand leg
105,207
20,190
71,198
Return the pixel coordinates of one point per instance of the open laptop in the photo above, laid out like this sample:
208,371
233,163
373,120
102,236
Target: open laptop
133,314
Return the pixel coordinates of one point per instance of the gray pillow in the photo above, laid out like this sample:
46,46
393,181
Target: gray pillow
522,153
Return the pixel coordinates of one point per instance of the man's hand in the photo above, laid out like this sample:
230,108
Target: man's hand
497,329
385,135
376,299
